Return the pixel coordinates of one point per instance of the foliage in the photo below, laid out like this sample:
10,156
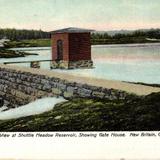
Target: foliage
138,36
134,113
17,34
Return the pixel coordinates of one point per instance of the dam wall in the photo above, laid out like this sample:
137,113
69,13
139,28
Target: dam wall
20,85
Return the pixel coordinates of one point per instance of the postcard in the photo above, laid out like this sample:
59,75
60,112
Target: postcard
79,79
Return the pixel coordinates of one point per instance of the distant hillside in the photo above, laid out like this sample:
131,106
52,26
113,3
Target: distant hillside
112,33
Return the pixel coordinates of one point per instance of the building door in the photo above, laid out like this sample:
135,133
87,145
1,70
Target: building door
59,50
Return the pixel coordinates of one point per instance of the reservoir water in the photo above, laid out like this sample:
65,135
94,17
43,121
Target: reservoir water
131,62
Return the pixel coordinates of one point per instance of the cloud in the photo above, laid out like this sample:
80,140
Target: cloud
96,14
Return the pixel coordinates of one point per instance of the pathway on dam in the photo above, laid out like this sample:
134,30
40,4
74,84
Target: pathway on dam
124,86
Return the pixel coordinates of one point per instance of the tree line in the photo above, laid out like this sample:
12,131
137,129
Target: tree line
96,37
22,34
152,33
138,36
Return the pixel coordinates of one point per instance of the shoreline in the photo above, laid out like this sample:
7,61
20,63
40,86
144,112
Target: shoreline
145,84
47,43
6,53
147,42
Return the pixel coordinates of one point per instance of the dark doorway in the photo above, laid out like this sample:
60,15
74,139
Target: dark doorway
59,50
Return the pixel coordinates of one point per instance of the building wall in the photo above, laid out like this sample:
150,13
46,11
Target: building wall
76,46
64,37
79,46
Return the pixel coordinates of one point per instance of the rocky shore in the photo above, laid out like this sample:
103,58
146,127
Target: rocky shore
5,53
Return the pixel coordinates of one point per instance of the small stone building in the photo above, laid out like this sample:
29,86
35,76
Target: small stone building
71,48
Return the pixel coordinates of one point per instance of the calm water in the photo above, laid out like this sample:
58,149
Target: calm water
136,62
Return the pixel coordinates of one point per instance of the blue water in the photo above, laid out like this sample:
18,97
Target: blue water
44,53
131,62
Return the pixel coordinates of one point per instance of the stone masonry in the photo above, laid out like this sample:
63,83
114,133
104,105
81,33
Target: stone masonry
19,87
72,64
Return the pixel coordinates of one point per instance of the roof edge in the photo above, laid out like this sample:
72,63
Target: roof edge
72,30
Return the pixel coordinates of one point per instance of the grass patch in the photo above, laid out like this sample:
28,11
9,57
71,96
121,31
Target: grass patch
122,40
29,43
140,113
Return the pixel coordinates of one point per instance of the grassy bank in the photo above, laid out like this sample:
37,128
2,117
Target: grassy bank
123,40
29,43
134,113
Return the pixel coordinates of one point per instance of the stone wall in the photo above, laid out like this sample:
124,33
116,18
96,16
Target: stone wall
20,87
71,64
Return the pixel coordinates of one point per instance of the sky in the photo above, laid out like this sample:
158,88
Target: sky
103,15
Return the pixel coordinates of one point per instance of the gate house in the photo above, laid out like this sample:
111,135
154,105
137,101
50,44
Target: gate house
71,48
